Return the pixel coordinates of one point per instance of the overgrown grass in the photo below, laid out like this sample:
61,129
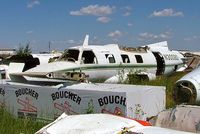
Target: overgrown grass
11,125
167,81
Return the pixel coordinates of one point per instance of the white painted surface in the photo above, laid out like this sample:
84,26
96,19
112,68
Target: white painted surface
101,124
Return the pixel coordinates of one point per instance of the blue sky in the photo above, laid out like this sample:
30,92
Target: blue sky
65,23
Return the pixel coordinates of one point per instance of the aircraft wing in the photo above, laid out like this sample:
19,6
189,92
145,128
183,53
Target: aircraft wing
102,124
31,74
20,77
57,76
16,74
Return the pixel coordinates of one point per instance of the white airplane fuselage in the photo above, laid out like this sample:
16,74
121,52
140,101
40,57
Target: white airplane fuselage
103,62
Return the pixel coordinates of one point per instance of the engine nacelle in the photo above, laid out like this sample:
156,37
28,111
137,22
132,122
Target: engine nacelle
187,89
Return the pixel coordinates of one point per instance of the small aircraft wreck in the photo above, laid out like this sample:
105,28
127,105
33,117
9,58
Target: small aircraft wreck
109,62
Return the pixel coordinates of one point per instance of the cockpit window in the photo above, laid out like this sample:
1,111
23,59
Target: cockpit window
70,55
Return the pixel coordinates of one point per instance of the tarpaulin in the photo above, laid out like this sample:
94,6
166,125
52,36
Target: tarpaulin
182,117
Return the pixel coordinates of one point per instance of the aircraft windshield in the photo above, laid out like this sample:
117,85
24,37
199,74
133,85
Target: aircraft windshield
70,55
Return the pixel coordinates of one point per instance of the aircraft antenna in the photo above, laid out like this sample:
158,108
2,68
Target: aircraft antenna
49,46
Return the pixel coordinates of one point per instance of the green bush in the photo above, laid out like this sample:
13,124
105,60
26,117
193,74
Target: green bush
24,51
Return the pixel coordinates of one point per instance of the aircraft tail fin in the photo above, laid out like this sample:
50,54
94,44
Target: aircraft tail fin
85,43
16,68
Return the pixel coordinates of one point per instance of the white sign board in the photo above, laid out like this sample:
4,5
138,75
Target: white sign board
44,102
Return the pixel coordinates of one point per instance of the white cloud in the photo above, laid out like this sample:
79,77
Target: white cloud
29,32
127,11
129,24
127,14
103,19
32,3
192,38
64,41
115,34
151,36
58,42
71,41
128,8
166,12
94,10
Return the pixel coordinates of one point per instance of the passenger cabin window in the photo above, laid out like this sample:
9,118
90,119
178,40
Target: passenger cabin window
88,57
125,58
139,58
70,55
110,58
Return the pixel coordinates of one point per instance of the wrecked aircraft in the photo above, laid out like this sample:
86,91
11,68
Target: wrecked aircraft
112,61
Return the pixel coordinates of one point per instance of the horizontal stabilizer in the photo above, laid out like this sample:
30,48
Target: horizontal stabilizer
160,46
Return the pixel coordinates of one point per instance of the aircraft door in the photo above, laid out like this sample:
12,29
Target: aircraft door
160,63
